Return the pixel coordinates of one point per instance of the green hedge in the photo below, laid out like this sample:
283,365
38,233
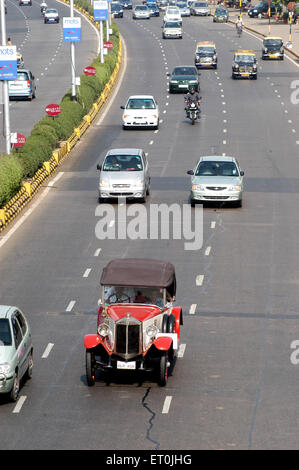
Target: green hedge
46,134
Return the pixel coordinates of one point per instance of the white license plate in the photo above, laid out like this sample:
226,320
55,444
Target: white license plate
126,365
183,86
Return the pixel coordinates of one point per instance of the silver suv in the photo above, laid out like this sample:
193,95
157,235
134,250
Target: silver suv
124,174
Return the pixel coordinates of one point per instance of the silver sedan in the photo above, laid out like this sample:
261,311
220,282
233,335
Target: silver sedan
216,179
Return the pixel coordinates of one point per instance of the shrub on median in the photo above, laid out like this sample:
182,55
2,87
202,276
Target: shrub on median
11,174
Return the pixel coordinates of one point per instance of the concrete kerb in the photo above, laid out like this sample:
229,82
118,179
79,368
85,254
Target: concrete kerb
29,188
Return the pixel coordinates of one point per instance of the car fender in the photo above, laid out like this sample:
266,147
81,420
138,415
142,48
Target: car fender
163,343
178,313
91,341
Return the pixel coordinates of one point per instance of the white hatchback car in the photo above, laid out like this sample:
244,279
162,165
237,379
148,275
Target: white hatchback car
141,111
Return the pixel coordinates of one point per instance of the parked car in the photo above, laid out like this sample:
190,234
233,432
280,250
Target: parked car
124,173
205,55
172,30
138,326
117,10
272,48
200,9
182,77
141,12
51,16
216,179
23,86
261,8
16,350
141,111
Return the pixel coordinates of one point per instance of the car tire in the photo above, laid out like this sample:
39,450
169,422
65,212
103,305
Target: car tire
90,369
171,323
28,374
14,393
163,372
238,203
192,202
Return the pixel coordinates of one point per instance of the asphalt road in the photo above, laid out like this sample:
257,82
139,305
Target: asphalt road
47,56
234,386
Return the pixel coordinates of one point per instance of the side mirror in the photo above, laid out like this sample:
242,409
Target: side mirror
190,172
242,173
122,107
99,167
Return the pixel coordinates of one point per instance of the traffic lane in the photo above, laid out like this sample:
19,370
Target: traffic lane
46,56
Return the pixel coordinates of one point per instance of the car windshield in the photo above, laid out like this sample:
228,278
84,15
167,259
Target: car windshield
134,295
273,42
173,24
22,76
115,7
181,5
5,334
123,163
220,12
206,50
244,58
141,103
199,4
141,7
216,169
51,11
184,71
172,11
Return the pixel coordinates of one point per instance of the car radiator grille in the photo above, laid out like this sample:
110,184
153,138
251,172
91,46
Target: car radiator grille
127,339
245,69
216,188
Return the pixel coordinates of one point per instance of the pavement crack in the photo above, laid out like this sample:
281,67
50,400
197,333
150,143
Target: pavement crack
150,421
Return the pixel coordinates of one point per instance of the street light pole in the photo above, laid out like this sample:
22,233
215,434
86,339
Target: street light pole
269,14
5,86
74,97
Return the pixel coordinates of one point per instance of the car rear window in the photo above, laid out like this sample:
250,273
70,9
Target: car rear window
22,76
173,24
5,334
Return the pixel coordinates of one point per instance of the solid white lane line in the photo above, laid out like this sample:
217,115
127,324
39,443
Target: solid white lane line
47,350
166,405
70,306
181,350
19,404
97,252
208,250
199,279
192,309
87,272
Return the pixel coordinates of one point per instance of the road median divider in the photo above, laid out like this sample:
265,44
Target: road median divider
23,172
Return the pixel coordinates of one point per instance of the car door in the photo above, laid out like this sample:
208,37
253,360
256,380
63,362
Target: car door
146,171
20,345
27,341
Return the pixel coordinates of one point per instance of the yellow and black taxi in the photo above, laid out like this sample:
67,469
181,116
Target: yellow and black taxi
244,64
205,55
273,48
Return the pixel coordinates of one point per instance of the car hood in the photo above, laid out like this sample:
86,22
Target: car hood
184,77
141,312
6,353
217,181
121,177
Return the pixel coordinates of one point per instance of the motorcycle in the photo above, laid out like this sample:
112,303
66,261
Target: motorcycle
193,112
43,11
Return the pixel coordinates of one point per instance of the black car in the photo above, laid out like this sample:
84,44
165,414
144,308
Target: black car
117,10
154,10
261,8
126,4
182,78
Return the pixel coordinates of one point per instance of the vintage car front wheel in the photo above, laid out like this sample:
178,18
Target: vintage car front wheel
90,369
163,370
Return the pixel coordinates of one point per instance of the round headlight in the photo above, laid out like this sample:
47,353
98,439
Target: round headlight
152,331
103,330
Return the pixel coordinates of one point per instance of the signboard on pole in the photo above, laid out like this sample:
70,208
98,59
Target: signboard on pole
53,110
17,139
72,29
100,10
8,63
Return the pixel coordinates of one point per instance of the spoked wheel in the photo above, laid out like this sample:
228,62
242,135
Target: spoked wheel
163,370
90,369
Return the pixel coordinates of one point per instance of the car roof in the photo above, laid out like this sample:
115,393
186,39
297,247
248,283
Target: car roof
206,43
133,97
219,158
6,310
249,52
124,151
273,37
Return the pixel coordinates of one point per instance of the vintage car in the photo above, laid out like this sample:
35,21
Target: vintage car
244,65
272,48
205,55
138,327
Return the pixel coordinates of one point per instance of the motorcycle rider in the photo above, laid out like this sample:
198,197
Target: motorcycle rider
192,97
43,6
